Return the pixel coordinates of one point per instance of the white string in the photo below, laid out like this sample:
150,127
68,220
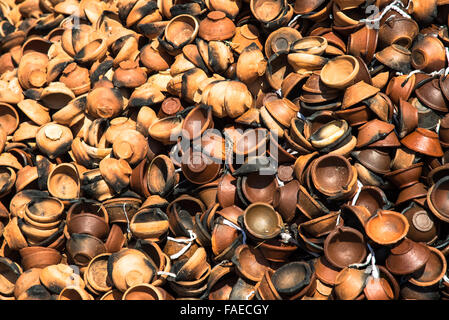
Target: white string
375,270
294,19
127,219
250,294
301,116
183,250
447,57
281,183
285,237
437,129
178,170
392,6
279,92
232,225
362,265
445,278
357,194
165,273
338,218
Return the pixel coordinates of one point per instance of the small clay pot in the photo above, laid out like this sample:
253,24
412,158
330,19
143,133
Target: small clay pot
56,277
64,182
149,223
129,267
428,54
26,280
87,223
349,283
9,275
423,141
250,262
407,257
328,169
199,168
344,246
129,75
340,72
262,221
258,188
433,271
290,278
400,30
395,57
54,140
378,289
82,248
39,257
285,200
131,146
403,178
216,26
400,87
143,292
387,227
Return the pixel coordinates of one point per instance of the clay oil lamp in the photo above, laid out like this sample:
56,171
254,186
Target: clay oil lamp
56,277
435,200
329,134
340,72
407,257
406,177
161,175
355,216
423,141
262,221
375,131
374,160
395,57
180,31
39,257
216,26
433,271
408,118
200,169
325,271
258,188
250,262
285,200
400,30
372,198
332,175
428,54
357,93
387,227
320,226
54,139
244,36
197,121
400,87
349,283
64,182
430,95
363,43
378,289
129,267
82,248
291,278
281,39
143,292
309,206
344,246
97,274
149,223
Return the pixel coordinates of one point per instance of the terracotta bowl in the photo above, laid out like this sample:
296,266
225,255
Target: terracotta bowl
372,198
349,283
39,257
387,227
259,188
44,210
332,175
262,221
407,257
423,226
276,251
378,289
87,223
143,292
97,273
340,72
423,141
82,248
433,271
436,199
344,246
325,271
129,267
149,223
321,226
403,178
250,262
291,277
